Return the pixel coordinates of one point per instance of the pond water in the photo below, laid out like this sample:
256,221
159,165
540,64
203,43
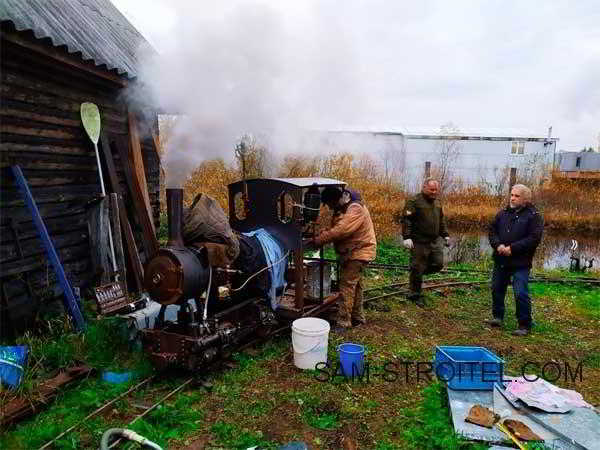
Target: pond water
554,251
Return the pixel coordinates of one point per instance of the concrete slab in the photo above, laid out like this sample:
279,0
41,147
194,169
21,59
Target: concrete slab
575,430
460,404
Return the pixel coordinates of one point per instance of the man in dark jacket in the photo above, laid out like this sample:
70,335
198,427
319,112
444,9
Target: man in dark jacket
514,235
423,226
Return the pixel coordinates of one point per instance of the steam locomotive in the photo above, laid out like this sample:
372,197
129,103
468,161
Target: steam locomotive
221,306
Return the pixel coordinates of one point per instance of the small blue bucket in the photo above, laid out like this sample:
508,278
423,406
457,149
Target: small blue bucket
12,363
352,359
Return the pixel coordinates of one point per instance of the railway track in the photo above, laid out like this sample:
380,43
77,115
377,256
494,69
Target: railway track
450,282
428,285
164,394
449,270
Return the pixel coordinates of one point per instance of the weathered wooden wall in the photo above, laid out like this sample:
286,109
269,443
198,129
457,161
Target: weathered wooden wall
41,131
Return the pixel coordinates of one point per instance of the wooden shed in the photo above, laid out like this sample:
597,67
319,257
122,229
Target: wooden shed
56,55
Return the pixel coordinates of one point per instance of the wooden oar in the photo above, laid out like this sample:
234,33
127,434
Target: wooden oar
90,117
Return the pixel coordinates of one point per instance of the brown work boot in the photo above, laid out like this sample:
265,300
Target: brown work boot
522,331
417,299
358,322
495,322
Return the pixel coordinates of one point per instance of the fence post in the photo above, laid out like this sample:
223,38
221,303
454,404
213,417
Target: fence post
513,178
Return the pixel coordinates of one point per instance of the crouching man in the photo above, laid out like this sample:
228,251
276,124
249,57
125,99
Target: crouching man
514,236
353,236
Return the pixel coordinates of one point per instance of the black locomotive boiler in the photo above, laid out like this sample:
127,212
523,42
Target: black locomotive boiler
221,306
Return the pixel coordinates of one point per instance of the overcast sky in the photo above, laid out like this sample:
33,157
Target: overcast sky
479,64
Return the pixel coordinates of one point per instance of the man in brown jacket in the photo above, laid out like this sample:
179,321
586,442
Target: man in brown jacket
353,236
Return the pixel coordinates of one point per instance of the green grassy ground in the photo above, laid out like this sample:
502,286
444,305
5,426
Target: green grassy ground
266,401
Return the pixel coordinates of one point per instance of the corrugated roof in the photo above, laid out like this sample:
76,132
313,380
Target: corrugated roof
300,182
95,28
309,181
409,131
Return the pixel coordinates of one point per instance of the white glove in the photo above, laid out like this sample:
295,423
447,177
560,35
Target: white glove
408,243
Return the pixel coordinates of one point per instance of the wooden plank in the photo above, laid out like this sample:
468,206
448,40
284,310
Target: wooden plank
133,256
37,63
37,98
45,117
136,160
40,148
117,237
35,262
33,246
40,84
62,56
59,225
11,197
48,211
27,130
48,162
20,408
143,212
21,113
99,245
45,280
45,101
44,177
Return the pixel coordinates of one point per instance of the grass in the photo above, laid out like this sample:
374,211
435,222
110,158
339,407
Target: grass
265,401
429,426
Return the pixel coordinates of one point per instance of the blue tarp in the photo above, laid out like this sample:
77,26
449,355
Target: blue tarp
274,253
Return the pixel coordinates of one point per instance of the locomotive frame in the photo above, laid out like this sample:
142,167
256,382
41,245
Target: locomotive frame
287,208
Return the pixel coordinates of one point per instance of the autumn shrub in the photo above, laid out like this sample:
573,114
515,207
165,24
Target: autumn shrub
565,204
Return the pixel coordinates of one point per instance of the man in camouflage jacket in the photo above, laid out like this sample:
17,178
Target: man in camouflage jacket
423,227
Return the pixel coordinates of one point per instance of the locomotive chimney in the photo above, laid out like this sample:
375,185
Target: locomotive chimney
175,217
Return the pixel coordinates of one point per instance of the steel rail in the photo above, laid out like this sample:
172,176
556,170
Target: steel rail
426,286
170,394
92,414
376,265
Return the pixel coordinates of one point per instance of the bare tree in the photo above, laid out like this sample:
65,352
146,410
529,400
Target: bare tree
393,159
448,150
501,181
251,157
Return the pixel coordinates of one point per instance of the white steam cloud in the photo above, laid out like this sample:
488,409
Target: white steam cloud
251,68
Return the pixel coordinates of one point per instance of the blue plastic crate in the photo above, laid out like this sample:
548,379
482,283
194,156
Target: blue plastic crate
468,368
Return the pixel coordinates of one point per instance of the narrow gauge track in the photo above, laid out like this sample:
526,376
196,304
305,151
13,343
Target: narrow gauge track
451,282
426,286
430,284
535,277
168,393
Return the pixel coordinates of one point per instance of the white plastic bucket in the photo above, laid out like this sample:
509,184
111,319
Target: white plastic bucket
310,336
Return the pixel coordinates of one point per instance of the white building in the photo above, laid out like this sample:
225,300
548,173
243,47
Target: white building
467,157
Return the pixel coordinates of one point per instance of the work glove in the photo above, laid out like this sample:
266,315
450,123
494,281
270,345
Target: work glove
408,243
447,241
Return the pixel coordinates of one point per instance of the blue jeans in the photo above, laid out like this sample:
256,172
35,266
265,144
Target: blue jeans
520,283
